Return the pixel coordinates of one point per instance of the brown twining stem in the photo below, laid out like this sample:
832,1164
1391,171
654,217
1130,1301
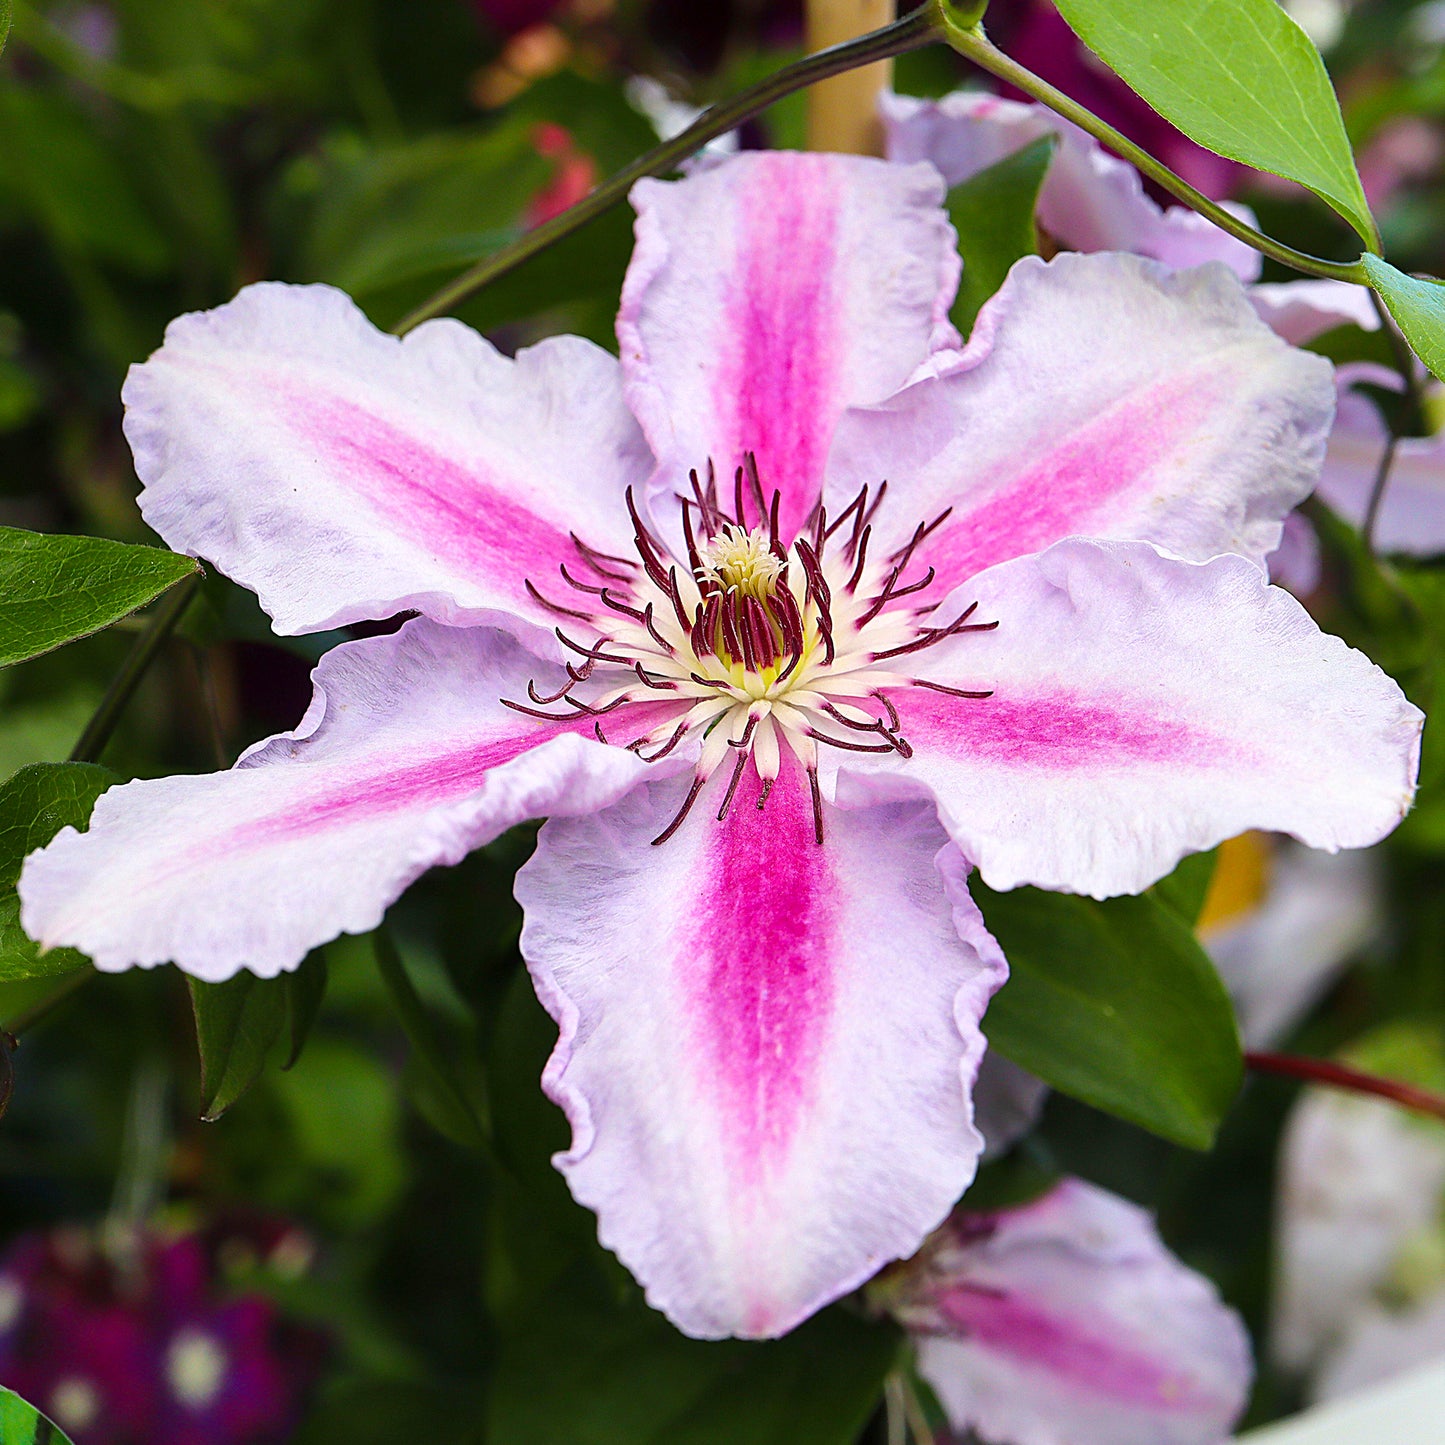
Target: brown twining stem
1342,1076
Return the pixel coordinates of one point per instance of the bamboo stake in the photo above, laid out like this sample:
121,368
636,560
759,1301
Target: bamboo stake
843,112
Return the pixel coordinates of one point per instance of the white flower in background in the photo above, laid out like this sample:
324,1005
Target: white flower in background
1360,1270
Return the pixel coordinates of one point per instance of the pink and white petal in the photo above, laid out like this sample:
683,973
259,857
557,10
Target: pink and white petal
1068,1322
1301,311
1090,200
1296,562
341,473
1099,396
1143,708
1411,518
766,1045
405,760
768,293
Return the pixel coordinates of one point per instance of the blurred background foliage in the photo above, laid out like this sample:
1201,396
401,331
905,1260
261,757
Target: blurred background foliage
155,156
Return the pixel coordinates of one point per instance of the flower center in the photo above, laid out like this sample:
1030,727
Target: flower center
195,1368
754,645
746,617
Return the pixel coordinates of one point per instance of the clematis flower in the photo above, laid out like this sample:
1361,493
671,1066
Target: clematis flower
784,618
132,1338
1066,1321
1091,200
1360,1273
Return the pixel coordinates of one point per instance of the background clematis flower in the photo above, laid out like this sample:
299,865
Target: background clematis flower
1066,1321
1281,922
1091,200
1360,1268
132,1337
774,707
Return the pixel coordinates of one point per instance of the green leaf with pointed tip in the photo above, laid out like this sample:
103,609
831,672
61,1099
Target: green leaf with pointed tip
22,1423
1418,306
1116,1004
237,1024
993,213
35,805
54,590
1238,76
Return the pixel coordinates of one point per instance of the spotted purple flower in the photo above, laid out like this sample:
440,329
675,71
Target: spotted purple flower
786,618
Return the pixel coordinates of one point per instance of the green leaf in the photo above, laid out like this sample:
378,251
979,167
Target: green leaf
416,210
22,1424
1186,888
456,1110
54,590
1238,76
593,1372
305,990
64,174
237,1023
1116,1004
993,213
1418,307
4,24
35,805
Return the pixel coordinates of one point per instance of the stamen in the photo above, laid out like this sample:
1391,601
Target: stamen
590,555
817,806
635,613
678,733
593,653
554,606
651,627
852,747
654,680
682,812
727,801
571,581
951,691
861,551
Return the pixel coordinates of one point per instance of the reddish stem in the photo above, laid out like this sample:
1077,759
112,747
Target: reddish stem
1341,1076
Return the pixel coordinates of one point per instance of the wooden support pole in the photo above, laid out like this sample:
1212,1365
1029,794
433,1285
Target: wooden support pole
843,111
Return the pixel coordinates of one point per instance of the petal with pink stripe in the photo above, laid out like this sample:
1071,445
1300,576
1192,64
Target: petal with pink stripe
766,1046
1091,200
341,473
1100,396
1142,708
405,760
1068,1322
768,293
